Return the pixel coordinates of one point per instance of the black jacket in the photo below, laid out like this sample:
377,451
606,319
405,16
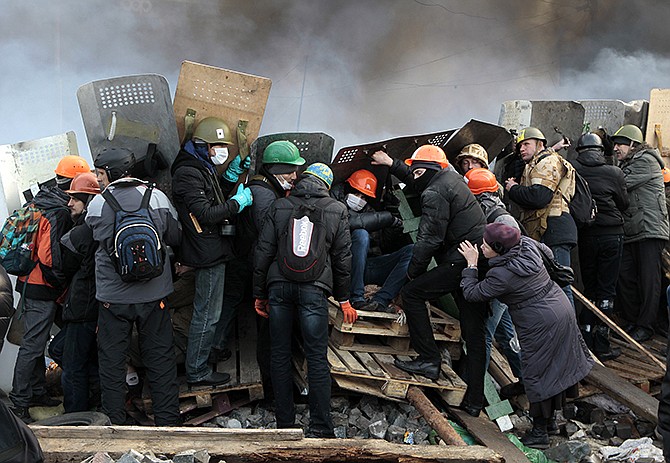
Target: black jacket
335,278
194,193
608,188
78,248
367,218
450,214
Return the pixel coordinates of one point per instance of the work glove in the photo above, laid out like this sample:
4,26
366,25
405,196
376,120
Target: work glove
262,307
243,197
349,312
236,167
397,222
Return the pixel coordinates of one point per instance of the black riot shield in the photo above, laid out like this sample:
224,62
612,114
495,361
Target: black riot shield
314,147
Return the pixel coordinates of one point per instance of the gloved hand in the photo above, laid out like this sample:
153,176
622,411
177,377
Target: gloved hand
243,197
397,222
350,315
236,168
262,307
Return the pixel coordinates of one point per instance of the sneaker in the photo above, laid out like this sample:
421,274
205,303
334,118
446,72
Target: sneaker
213,379
641,334
610,355
536,439
22,413
44,401
374,306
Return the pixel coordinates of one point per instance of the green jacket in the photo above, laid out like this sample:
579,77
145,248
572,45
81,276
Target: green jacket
647,215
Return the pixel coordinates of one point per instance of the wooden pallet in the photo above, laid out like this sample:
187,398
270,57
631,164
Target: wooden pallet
634,366
375,374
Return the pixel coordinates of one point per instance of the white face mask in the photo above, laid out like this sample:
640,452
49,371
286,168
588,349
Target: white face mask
220,155
354,202
286,185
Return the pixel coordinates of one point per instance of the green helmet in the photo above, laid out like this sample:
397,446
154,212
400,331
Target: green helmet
213,130
626,134
321,171
282,152
530,132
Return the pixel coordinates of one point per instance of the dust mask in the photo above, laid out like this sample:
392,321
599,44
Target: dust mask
220,155
354,202
286,185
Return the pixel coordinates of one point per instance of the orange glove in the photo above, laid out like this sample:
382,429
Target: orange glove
262,307
349,312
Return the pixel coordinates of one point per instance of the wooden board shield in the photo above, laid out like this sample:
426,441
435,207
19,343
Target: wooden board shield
207,91
25,165
658,120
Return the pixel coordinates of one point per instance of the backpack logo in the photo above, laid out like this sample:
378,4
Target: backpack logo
302,236
18,239
138,253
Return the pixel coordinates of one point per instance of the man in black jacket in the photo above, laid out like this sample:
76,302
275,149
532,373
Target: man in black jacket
601,244
80,312
199,195
449,214
280,296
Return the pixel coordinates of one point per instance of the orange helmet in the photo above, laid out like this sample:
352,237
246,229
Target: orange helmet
429,153
71,165
666,175
363,181
481,180
85,182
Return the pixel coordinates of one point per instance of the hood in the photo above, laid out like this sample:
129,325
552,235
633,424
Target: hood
591,158
188,157
641,150
310,186
523,260
489,201
51,197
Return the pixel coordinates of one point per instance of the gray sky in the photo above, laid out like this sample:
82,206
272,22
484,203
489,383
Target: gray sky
371,69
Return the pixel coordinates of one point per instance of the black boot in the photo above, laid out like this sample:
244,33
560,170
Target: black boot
537,437
601,334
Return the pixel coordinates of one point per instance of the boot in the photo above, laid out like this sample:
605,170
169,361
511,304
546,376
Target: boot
587,334
601,334
537,438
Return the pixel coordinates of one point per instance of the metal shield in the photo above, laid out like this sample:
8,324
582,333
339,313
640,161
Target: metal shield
493,138
133,112
314,147
26,165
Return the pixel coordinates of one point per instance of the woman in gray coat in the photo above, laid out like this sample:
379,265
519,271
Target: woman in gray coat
554,357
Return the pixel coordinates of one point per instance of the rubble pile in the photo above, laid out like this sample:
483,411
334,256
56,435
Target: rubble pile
132,456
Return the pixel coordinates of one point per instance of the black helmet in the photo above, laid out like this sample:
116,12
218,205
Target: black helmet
589,140
117,162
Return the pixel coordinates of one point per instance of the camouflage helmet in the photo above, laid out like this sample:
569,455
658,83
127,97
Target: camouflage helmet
530,133
627,134
213,131
475,151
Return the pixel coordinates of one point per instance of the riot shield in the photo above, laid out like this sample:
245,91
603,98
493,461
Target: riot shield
26,165
207,91
493,138
314,147
133,112
658,120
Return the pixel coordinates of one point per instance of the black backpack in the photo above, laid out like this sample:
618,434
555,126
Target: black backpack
138,253
583,207
301,249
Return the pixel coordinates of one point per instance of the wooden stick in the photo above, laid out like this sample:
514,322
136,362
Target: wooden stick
434,417
616,328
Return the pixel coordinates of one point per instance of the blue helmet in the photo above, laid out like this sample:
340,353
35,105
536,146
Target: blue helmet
321,171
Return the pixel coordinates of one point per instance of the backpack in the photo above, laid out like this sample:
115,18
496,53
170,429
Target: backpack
301,248
18,239
138,253
582,206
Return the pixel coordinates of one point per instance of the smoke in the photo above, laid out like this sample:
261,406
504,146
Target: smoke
358,70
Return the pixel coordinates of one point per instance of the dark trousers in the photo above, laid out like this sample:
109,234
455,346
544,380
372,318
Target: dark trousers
600,260
639,284
80,365
115,323
441,280
664,403
307,302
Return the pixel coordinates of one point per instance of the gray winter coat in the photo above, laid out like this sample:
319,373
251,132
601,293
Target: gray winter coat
647,215
553,354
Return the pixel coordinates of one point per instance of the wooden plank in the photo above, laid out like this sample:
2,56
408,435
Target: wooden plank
334,361
619,389
250,372
386,362
352,363
372,366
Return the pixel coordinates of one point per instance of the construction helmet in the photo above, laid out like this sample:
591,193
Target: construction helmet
86,183
428,153
589,140
530,133
213,131
321,171
116,162
626,134
282,152
473,150
71,165
481,180
363,181
666,175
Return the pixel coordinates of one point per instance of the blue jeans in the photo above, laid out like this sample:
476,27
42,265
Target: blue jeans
562,256
500,326
207,304
80,365
388,271
309,303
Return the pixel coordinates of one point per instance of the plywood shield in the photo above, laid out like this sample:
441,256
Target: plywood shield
133,112
658,120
